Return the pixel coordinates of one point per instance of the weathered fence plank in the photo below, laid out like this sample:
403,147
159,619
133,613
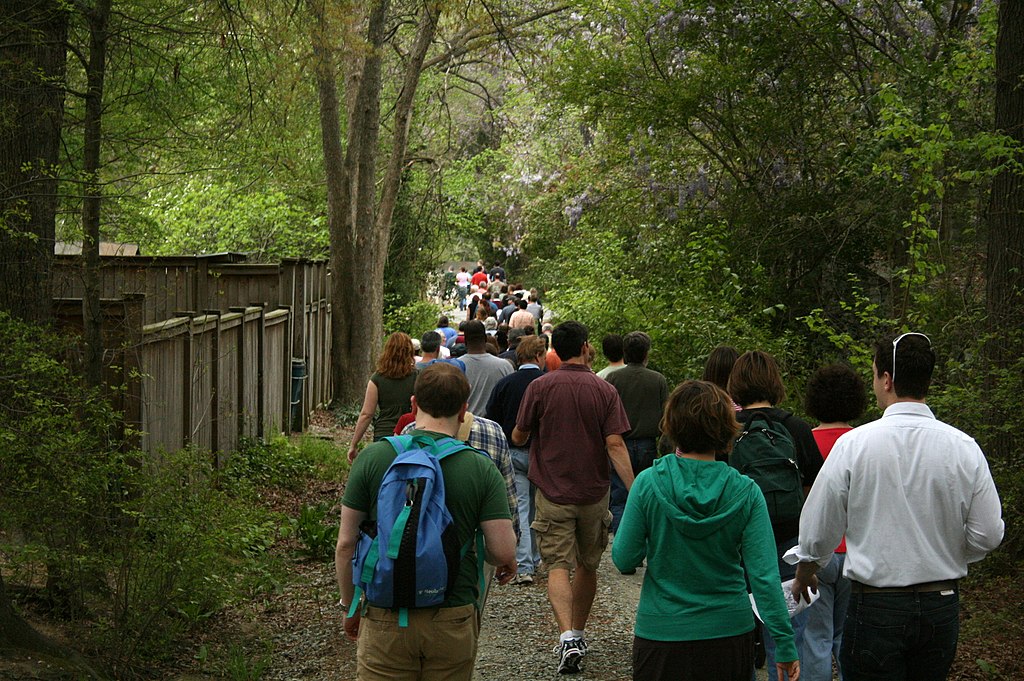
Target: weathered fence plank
194,359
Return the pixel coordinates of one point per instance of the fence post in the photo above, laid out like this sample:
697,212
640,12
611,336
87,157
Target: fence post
188,360
215,392
261,363
240,375
131,366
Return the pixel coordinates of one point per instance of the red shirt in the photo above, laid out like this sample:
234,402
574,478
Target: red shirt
826,439
552,361
480,279
569,413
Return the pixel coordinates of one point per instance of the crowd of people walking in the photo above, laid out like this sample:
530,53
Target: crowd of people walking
825,549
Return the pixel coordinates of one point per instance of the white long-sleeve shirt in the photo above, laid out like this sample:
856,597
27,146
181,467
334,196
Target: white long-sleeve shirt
913,495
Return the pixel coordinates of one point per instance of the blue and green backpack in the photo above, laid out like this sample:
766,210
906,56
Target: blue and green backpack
409,556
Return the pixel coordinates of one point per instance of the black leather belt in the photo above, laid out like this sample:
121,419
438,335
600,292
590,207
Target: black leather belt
926,587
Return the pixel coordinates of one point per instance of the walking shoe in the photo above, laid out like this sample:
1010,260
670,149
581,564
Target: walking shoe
584,646
570,653
523,578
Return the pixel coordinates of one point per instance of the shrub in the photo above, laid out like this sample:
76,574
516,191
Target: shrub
414,318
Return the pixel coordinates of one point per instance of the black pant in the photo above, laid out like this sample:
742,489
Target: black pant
715,659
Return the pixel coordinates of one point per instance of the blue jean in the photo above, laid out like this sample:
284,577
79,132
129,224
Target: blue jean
642,452
904,636
786,572
823,634
527,555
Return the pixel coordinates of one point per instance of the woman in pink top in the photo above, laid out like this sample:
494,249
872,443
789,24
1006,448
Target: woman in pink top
835,396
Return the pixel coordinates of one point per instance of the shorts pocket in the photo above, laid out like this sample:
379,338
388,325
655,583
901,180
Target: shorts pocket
540,526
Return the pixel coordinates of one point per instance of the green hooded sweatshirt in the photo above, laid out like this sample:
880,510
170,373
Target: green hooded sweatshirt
694,522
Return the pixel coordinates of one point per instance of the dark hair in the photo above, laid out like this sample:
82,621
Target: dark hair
611,347
522,304
529,348
441,390
700,418
430,342
835,394
475,333
754,378
635,347
442,321
568,339
719,364
915,362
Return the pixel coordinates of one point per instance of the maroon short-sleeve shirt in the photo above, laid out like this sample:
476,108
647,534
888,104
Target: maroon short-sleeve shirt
569,413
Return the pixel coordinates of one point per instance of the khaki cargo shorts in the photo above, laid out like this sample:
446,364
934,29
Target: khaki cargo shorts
571,534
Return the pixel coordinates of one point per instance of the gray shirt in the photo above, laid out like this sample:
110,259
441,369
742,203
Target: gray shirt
483,372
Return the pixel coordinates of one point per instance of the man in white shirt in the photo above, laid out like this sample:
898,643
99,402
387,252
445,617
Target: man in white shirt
916,501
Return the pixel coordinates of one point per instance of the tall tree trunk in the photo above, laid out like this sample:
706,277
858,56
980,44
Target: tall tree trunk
97,18
356,297
403,119
1005,262
33,34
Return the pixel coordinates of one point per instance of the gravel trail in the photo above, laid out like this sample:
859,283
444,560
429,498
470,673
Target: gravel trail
519,630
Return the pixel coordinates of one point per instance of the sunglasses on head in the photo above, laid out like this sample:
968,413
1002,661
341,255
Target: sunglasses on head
896,341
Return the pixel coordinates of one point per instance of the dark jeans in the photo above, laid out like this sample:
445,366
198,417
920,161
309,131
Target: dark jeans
904,636
642,452
715,659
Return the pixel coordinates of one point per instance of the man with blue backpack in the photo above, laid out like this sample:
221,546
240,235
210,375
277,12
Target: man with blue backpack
420,515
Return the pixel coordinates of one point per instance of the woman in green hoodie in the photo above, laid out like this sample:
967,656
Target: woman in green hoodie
704,530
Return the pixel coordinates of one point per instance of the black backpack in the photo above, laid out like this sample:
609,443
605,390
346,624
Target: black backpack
765,453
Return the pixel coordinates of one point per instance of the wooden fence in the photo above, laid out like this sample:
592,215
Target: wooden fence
225,372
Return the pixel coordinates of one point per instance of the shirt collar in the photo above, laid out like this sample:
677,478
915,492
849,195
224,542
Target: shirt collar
575,367
910,409
529,365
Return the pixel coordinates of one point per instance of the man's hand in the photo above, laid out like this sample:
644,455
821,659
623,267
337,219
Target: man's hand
792,669
351,626
806,581
505,573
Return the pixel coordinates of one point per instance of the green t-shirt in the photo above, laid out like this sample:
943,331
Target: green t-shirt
392,401
474,492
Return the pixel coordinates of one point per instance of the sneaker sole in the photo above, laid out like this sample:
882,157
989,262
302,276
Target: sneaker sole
570,663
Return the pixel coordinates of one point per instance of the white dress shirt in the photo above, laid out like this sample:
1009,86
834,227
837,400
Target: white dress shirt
913,495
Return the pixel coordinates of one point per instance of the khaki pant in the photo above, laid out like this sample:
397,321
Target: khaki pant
438,645
570,534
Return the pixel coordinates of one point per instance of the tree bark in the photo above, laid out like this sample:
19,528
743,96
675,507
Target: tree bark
92,314
33,34
403,119
1005,262
356,298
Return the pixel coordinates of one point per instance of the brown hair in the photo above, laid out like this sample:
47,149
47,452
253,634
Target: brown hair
700,418
397,359
719,364
441,390
754,378
529,348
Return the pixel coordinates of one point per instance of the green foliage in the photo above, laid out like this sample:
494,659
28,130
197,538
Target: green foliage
673,285
187,549
213,216
241,666
414,317
277,463
316,531
330,462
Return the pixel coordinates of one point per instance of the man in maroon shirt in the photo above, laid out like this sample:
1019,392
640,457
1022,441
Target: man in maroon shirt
577,421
